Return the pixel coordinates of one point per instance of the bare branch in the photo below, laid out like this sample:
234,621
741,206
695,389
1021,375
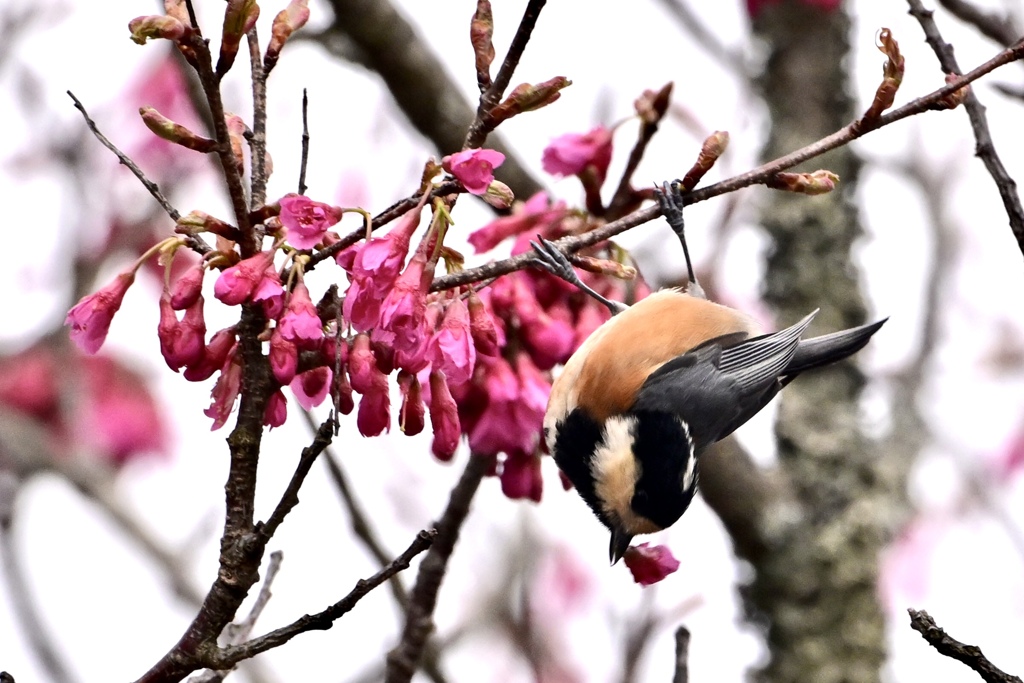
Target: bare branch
682,669
985,148
970,655
1002,29
305,142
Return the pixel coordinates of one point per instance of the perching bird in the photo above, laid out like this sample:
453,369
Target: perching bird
642,398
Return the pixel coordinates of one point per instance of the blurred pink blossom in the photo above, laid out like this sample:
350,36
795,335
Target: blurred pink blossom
650,564
573,153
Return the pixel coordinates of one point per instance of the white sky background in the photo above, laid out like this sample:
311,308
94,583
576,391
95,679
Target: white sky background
111,612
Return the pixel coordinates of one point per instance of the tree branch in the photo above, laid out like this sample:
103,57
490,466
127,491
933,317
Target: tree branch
970,655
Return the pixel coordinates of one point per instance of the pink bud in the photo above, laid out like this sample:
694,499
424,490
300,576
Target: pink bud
444,419
236,135
818,182
90,318
521,478
155,26
300,324
197,222
650,564
343,391
271,293
188,288
474,168
277,410
405,305
499,195
481,326
237,283
528,97
375,407
306,220
573,153
533,216
167,129
214,356
239,17
310,387
289,20
181,343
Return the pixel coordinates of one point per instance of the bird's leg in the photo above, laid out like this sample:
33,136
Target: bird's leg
670,199
548,257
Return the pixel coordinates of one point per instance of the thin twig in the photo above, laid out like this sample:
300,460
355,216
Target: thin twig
321,621
489,99
403,661
985,148
126,160
305,142
759,175
30,622
970,655
1001,29
682,668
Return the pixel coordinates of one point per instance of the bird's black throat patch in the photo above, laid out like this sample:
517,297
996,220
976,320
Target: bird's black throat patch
662,447
579,435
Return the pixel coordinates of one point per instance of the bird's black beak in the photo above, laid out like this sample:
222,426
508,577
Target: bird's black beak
619,544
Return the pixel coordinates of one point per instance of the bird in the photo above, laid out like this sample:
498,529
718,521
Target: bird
644,396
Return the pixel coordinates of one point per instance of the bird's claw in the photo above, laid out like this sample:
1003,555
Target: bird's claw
547,256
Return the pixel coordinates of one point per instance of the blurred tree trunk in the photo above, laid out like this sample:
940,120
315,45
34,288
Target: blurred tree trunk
815,589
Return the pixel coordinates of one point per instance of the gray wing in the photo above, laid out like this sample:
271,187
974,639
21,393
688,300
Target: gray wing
715,389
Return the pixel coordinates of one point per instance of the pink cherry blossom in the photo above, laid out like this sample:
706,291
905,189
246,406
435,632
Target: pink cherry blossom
483,328
411,415
311,387
276,411
224,393
271,293
306,220
650,564
573,153
520,477
374,268
403,310
474,168
300,324
343,391
237,283
284,357
444,419
29,383
188,287
181,343
451,349
497,430
90,318
216,353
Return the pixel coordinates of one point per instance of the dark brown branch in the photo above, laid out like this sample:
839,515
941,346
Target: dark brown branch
970,655
1001,29
150,186
304,161
985,148
682,668
322,621
756,176
624,194
482,125
403,661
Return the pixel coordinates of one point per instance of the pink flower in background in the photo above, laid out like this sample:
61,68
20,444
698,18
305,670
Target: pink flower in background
271,293
474,168
118,419
533,216
90,318
521,478
237,283
306,220
214,356
905,574
300,324
181,343
650,564
754,7
28,383
573,153
276,412
311,387
498,429
451,348
444,419
188,287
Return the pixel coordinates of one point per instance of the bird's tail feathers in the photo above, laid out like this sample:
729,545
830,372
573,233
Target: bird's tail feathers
829,348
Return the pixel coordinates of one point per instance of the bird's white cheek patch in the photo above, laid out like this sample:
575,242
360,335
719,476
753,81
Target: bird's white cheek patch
614,468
